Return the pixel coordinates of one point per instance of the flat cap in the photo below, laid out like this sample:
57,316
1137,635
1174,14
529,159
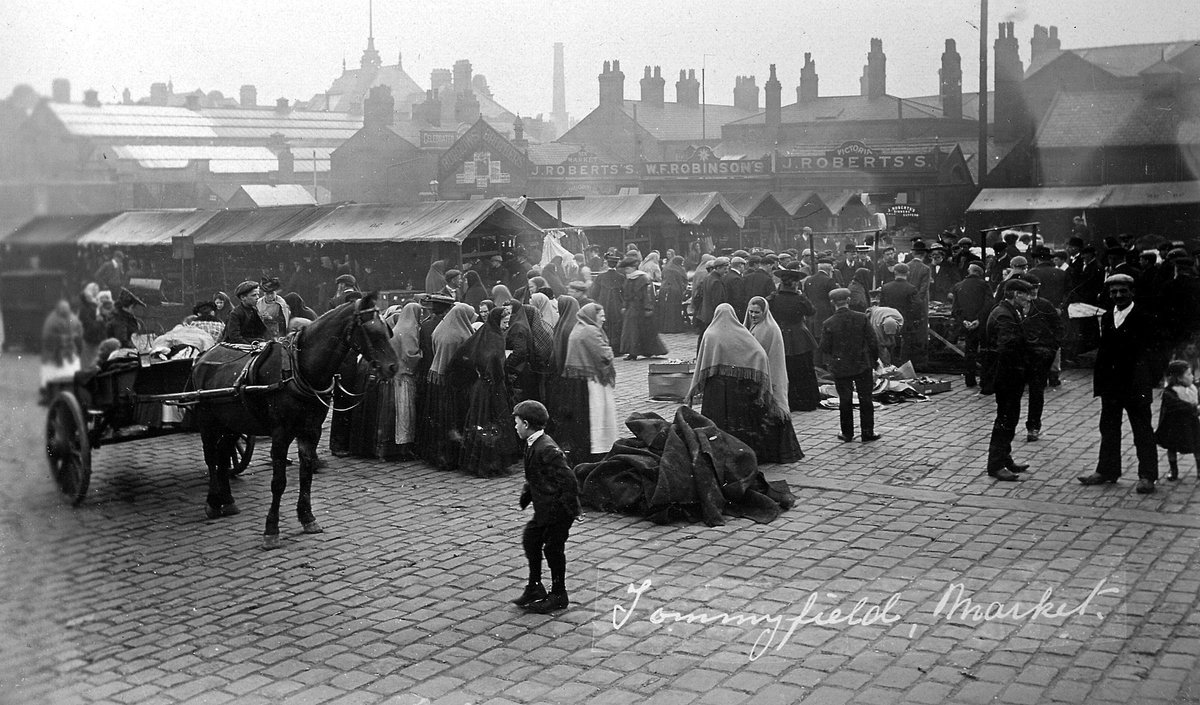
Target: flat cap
1018,284
245,288
737,260
721,262
839,294
1119,279
346,279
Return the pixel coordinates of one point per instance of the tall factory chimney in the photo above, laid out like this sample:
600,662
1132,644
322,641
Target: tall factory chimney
559,116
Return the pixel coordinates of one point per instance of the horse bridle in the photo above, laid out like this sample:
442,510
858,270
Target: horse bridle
349,340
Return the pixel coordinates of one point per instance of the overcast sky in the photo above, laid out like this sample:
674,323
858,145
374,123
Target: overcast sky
295,48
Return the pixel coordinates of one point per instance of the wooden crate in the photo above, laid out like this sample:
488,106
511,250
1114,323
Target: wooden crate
670,382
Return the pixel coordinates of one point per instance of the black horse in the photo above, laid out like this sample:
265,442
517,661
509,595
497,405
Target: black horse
295,382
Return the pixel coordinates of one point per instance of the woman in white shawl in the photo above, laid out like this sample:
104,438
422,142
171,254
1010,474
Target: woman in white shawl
406,325
765,330
590,357
652,266
546,308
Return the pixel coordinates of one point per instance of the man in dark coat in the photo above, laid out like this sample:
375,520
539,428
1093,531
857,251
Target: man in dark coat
1053,280
972,303
244,324
1043,335
1007,338
851,350
1085,281
111,275
904,297
712,294
606,291
735,286
757,281
1124,379
848,264
817,288
345,284
943,276
639,326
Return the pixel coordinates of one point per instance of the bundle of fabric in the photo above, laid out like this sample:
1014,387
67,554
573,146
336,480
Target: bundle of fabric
685,469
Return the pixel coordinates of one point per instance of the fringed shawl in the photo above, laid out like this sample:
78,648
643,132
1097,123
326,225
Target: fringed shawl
728,349
770,337
406,335
541,340
449,335
568,307
589,356
484,351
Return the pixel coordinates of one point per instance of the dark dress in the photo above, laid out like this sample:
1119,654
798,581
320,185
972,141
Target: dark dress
791,309
639,330
568,406
606,291
424,431
1178,426
489,442
671,298
731,403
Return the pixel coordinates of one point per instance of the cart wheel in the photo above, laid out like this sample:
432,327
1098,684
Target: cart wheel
68,447
243,449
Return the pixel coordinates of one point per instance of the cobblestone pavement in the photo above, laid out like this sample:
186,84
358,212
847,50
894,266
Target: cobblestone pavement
134,597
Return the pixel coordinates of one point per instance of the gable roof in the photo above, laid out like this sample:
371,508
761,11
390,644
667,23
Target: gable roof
802,204
695,208
1122,60
50,230
608,211
155,227
262,195
757,203
1120,118
347,91
674,122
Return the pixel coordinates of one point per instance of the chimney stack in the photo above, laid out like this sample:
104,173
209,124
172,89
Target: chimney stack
687,88
91,98
466,107
431,110
192,101
653,87
462,76
950,82
612,84
287,164
745,93
60,90
519,140
560,91
281,106
379,107
126,97
1044,41
1011,117
873,83
807,90
158,93
774,116
439,78
249,96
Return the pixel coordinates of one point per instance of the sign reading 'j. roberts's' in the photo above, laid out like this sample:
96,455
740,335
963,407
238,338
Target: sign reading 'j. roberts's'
856,156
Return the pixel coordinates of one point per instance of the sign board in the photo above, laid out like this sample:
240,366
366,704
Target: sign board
438,139
856,156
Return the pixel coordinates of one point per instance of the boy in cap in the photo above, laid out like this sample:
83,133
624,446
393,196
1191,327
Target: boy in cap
850,351
244,324
1007,338
345,283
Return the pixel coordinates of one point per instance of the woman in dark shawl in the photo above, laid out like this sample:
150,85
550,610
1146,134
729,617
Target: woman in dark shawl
639,330
518,367
671,297
860,290
475,292
589,361
541,352
791,309
445,405
435,278
733,375
566,397
555,276
296,304
490,444
606,291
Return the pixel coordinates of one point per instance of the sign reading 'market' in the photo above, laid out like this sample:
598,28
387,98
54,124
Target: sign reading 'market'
856,156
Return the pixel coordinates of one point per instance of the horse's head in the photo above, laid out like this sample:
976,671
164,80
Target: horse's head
370,337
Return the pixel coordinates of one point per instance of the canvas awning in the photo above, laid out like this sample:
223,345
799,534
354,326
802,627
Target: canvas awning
1172,193
146,228
436,221
52,230
694,208
258,226
1040,199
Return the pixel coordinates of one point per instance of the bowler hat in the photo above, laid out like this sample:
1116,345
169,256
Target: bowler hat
202,307
788,275
1075,241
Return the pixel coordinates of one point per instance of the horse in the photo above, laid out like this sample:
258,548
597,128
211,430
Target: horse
283,390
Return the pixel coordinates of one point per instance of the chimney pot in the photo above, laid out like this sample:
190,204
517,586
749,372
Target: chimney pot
193,101
60,90
91,98
281,105
249,96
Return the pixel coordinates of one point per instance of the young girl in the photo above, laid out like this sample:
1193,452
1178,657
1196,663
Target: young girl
1178,421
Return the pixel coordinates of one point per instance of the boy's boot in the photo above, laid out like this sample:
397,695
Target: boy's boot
555,601
533,593
1173,475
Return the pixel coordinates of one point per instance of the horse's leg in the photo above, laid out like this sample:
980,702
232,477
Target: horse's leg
224,470
307,442
279,448
210,439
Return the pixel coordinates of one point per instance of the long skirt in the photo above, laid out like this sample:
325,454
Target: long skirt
373,420
602,416
732,405
446,410
567,402
802,382
489,442
639,336
670,312
404,389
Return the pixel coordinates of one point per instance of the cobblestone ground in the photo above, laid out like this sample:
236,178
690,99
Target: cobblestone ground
134,597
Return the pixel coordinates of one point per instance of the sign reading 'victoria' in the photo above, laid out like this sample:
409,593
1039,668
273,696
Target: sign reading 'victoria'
856,156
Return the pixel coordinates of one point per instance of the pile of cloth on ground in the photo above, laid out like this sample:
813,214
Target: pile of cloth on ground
686,469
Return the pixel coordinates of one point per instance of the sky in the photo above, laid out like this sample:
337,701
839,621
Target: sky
295,48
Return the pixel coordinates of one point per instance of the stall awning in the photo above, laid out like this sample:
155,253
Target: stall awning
146,228
1155,194
258,226
694,208
1040,199
437,221
52,230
